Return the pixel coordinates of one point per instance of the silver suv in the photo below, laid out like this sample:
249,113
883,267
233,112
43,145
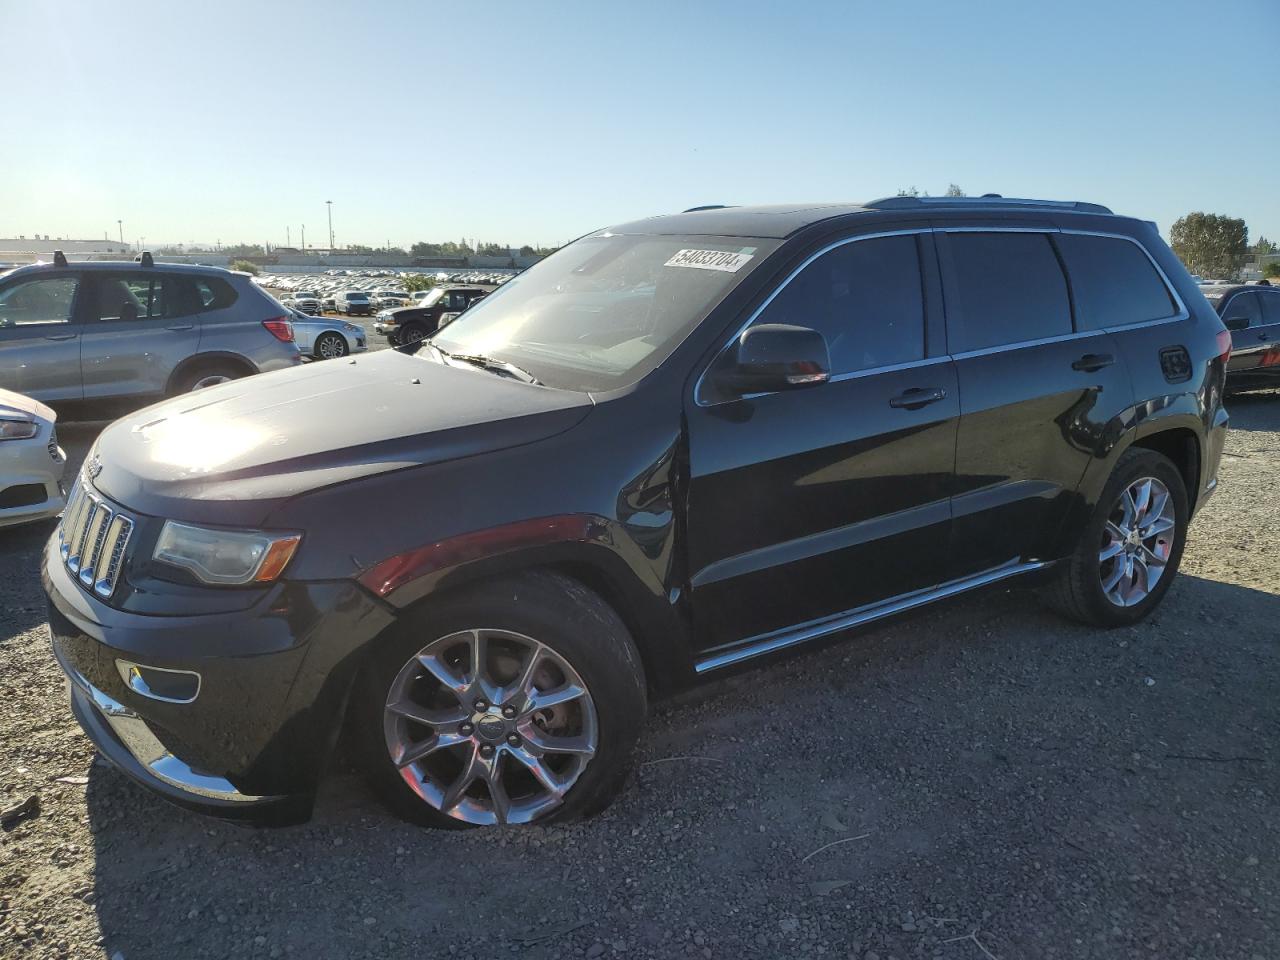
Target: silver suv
134,332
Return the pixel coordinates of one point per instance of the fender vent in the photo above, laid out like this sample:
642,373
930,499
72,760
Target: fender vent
1176,364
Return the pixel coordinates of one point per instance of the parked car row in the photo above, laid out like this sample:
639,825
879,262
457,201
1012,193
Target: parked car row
675,448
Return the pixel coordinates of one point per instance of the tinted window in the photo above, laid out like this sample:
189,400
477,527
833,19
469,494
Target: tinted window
46,300
1244,305
1113,281
136,298
1270,306
1008,288
865,298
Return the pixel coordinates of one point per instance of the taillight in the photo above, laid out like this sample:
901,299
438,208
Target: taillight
1271,358
1224,345
280,328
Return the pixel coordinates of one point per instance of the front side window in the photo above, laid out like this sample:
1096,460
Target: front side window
865,297
1113,281
38,302
1246,306
1007,288
128,298
604,311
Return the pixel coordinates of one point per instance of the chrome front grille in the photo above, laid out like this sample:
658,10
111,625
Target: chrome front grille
92,539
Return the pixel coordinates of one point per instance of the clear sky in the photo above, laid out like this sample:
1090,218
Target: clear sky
536,122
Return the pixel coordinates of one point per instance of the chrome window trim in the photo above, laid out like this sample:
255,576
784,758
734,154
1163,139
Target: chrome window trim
1182,313
755,314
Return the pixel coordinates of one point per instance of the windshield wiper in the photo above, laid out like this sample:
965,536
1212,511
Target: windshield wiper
489,363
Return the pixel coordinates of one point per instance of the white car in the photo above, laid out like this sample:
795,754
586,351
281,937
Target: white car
325,338
31,462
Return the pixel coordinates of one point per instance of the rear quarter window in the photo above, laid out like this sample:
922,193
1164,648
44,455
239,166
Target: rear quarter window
212,293
1113,281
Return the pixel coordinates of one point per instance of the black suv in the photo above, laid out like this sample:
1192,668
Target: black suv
675,447
441,305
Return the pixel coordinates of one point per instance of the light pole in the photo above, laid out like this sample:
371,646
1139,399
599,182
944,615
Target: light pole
304,238
329,204
120,224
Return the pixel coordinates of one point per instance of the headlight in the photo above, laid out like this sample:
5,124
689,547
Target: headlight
352,328
223,557
18,429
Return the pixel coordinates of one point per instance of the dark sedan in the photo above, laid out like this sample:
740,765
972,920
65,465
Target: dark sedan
1252,313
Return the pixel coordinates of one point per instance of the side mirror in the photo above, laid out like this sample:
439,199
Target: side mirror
778,356
1238,323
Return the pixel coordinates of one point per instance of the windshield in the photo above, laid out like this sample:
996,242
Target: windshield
356,296
604,311
430,297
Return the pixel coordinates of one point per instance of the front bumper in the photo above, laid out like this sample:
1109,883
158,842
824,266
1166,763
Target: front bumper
29,464
273,681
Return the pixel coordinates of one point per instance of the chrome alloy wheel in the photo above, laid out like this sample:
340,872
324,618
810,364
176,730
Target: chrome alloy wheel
1136,542
490,726
212,380
331,346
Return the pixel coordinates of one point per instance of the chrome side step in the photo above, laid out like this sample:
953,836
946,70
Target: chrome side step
792,636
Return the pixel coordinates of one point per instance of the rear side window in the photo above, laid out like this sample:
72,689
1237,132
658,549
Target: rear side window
1113,281
865,297
1244,305
1270,306
1007,288
141,297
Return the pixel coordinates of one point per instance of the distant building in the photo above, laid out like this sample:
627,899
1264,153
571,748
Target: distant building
23,249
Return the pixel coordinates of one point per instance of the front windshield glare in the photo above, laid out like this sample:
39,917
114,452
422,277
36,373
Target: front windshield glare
604,311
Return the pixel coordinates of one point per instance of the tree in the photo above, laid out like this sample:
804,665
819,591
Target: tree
911,191
527,251
493,250
954,191
1272,270
1264,247
1210,244
244,266
418,281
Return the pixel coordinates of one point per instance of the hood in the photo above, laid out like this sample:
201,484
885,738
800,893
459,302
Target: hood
232,453
16,405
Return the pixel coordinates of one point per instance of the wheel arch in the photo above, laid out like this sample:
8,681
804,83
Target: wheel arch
209,358
651,615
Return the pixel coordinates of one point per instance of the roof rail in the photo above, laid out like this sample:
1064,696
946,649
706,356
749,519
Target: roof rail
59,258
709,206
986,200
145,259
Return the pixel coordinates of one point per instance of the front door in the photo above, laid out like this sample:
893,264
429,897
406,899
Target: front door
809,503
1255,336
40,336
140,327
1036,395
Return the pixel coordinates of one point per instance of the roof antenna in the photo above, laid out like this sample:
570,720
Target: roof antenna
991,196
145,259
59,258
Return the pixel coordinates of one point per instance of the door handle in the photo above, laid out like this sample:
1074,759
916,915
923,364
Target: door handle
60,336
1262,336
181,326
1093,361
917,397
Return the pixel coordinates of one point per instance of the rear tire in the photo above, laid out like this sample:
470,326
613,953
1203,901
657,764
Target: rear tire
538,636
1092,585
207,375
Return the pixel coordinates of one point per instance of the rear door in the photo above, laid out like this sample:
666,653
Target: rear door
139,328
40,335
1036,394
808,503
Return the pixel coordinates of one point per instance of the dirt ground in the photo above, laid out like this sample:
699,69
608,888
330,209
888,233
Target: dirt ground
982,781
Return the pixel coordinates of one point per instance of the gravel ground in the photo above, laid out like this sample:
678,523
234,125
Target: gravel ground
981,781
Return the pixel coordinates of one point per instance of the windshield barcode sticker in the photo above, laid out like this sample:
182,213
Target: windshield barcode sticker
710,260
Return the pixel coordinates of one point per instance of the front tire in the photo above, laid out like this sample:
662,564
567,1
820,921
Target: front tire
1129,551
329,346
410,334
512,701
207,375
